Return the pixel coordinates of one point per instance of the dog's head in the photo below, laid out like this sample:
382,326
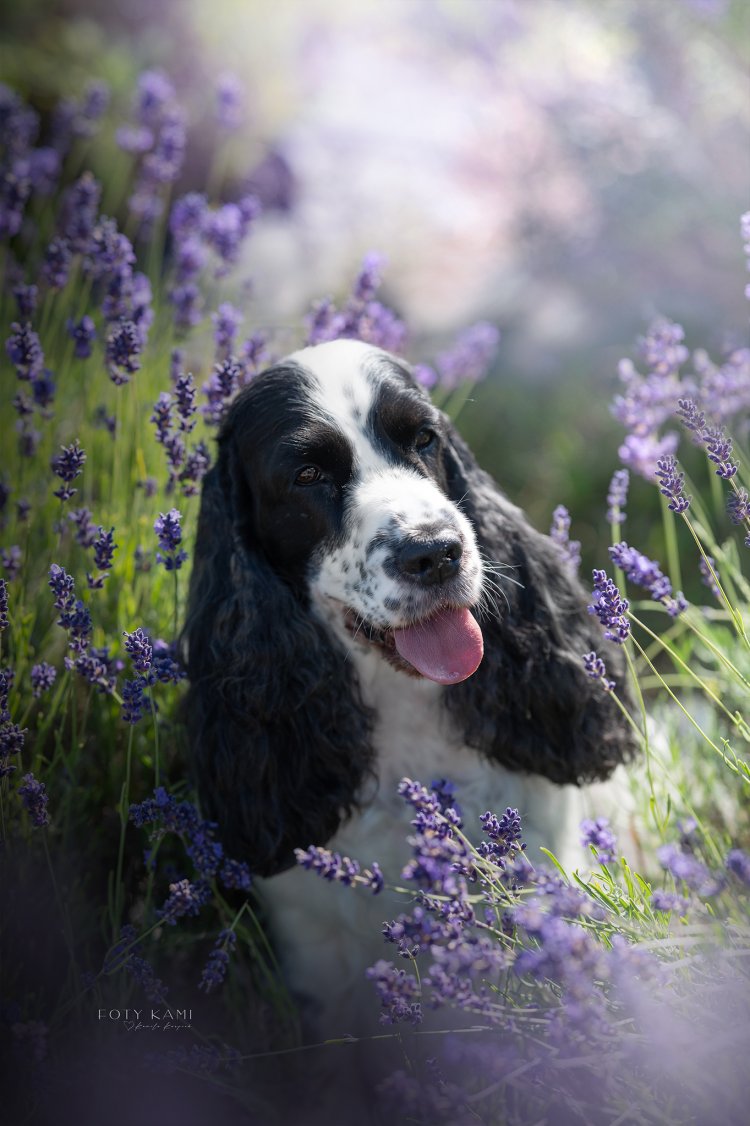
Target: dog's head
345,510
347,472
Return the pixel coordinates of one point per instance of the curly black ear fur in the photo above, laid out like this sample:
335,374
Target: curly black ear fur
279,739
531,705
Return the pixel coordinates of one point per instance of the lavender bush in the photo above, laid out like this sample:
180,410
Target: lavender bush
614,994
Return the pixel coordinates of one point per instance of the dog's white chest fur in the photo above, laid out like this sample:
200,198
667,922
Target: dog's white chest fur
327,934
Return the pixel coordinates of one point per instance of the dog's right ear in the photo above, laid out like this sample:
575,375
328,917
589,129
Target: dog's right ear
279,739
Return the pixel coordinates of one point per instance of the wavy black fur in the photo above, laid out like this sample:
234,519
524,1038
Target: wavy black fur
530,705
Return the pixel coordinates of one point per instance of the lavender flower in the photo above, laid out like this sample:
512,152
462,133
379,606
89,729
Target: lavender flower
162,417
43,676
226,321
598,834
133,701
399,993
738,861
104,550
11,561
188,216
610,608
717,444
108,252
662,347
221,386
43,387
188,302
235,874
86,531
139,648
12,738
597,670
218,961
226,229
68,465
343,870
123,348
169,532
719,449
671,484
686,867
184,899
25,351
98,668
642,452
669,901
14,192
255,353
470,357
34,797
738,506
617,496
185,394
570,550
504,836
709,575
80,211
3,604
197,465
646,573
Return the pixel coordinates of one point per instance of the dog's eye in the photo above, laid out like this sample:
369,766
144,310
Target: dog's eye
424,438
308,476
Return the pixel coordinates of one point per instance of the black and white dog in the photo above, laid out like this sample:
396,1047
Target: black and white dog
366,604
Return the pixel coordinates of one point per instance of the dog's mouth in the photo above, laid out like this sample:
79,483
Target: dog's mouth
446,646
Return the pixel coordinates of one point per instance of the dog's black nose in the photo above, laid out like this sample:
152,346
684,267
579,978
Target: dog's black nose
430,561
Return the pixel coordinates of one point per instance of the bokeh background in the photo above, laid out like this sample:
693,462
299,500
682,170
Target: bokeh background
564,169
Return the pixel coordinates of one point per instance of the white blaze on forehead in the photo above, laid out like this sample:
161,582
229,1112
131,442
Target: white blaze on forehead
346,394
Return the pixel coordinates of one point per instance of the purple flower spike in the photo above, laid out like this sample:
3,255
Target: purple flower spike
645,573
226,321
617,496
559,532
218,961
470,357
68,465
738,861
671,484
56,264
34,797
597,670
610,608
719,449
343,870
140,650
123,349
3,604
25,351
184,899
43,676
169,531
599,834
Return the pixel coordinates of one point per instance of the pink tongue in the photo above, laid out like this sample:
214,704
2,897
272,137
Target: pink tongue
446,648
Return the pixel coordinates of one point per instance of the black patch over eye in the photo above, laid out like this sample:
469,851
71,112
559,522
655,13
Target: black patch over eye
309,475
424,438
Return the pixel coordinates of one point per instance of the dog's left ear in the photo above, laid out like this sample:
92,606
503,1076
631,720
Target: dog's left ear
530,705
